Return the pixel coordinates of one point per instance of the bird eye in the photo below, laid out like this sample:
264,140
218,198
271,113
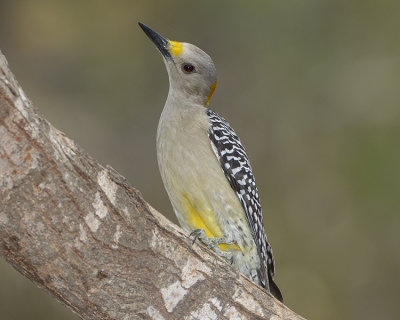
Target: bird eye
188,68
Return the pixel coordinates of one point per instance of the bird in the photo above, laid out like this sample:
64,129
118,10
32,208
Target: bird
205,168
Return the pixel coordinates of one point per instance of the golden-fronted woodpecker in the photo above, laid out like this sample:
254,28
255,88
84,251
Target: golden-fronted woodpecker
205,168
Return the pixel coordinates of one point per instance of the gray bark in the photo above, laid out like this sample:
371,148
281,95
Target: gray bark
83,233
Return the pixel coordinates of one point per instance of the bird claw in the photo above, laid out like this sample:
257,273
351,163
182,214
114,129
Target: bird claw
213,243
198,234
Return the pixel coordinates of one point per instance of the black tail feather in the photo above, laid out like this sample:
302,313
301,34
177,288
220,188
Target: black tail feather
273,288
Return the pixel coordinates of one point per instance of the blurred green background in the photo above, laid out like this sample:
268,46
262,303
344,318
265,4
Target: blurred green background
311,87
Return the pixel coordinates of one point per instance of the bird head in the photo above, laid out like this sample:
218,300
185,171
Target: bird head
191,71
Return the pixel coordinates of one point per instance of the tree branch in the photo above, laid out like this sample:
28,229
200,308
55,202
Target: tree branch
81,232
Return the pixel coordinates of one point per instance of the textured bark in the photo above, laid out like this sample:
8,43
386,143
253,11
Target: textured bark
81,232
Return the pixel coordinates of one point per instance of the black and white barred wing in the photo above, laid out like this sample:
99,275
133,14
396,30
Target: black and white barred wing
236,166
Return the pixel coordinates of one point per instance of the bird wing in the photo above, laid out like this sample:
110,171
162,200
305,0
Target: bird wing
236,167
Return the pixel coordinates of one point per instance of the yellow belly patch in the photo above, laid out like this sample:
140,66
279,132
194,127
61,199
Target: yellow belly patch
205,220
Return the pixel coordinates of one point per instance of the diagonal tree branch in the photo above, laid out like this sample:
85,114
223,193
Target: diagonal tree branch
81,232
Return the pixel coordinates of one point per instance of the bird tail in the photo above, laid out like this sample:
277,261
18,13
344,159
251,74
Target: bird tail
273,288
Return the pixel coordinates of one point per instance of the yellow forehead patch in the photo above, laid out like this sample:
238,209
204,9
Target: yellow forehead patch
212,89
175,47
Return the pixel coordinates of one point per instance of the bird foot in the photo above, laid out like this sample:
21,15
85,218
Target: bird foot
213,242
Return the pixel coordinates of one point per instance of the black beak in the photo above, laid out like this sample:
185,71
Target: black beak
158,40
